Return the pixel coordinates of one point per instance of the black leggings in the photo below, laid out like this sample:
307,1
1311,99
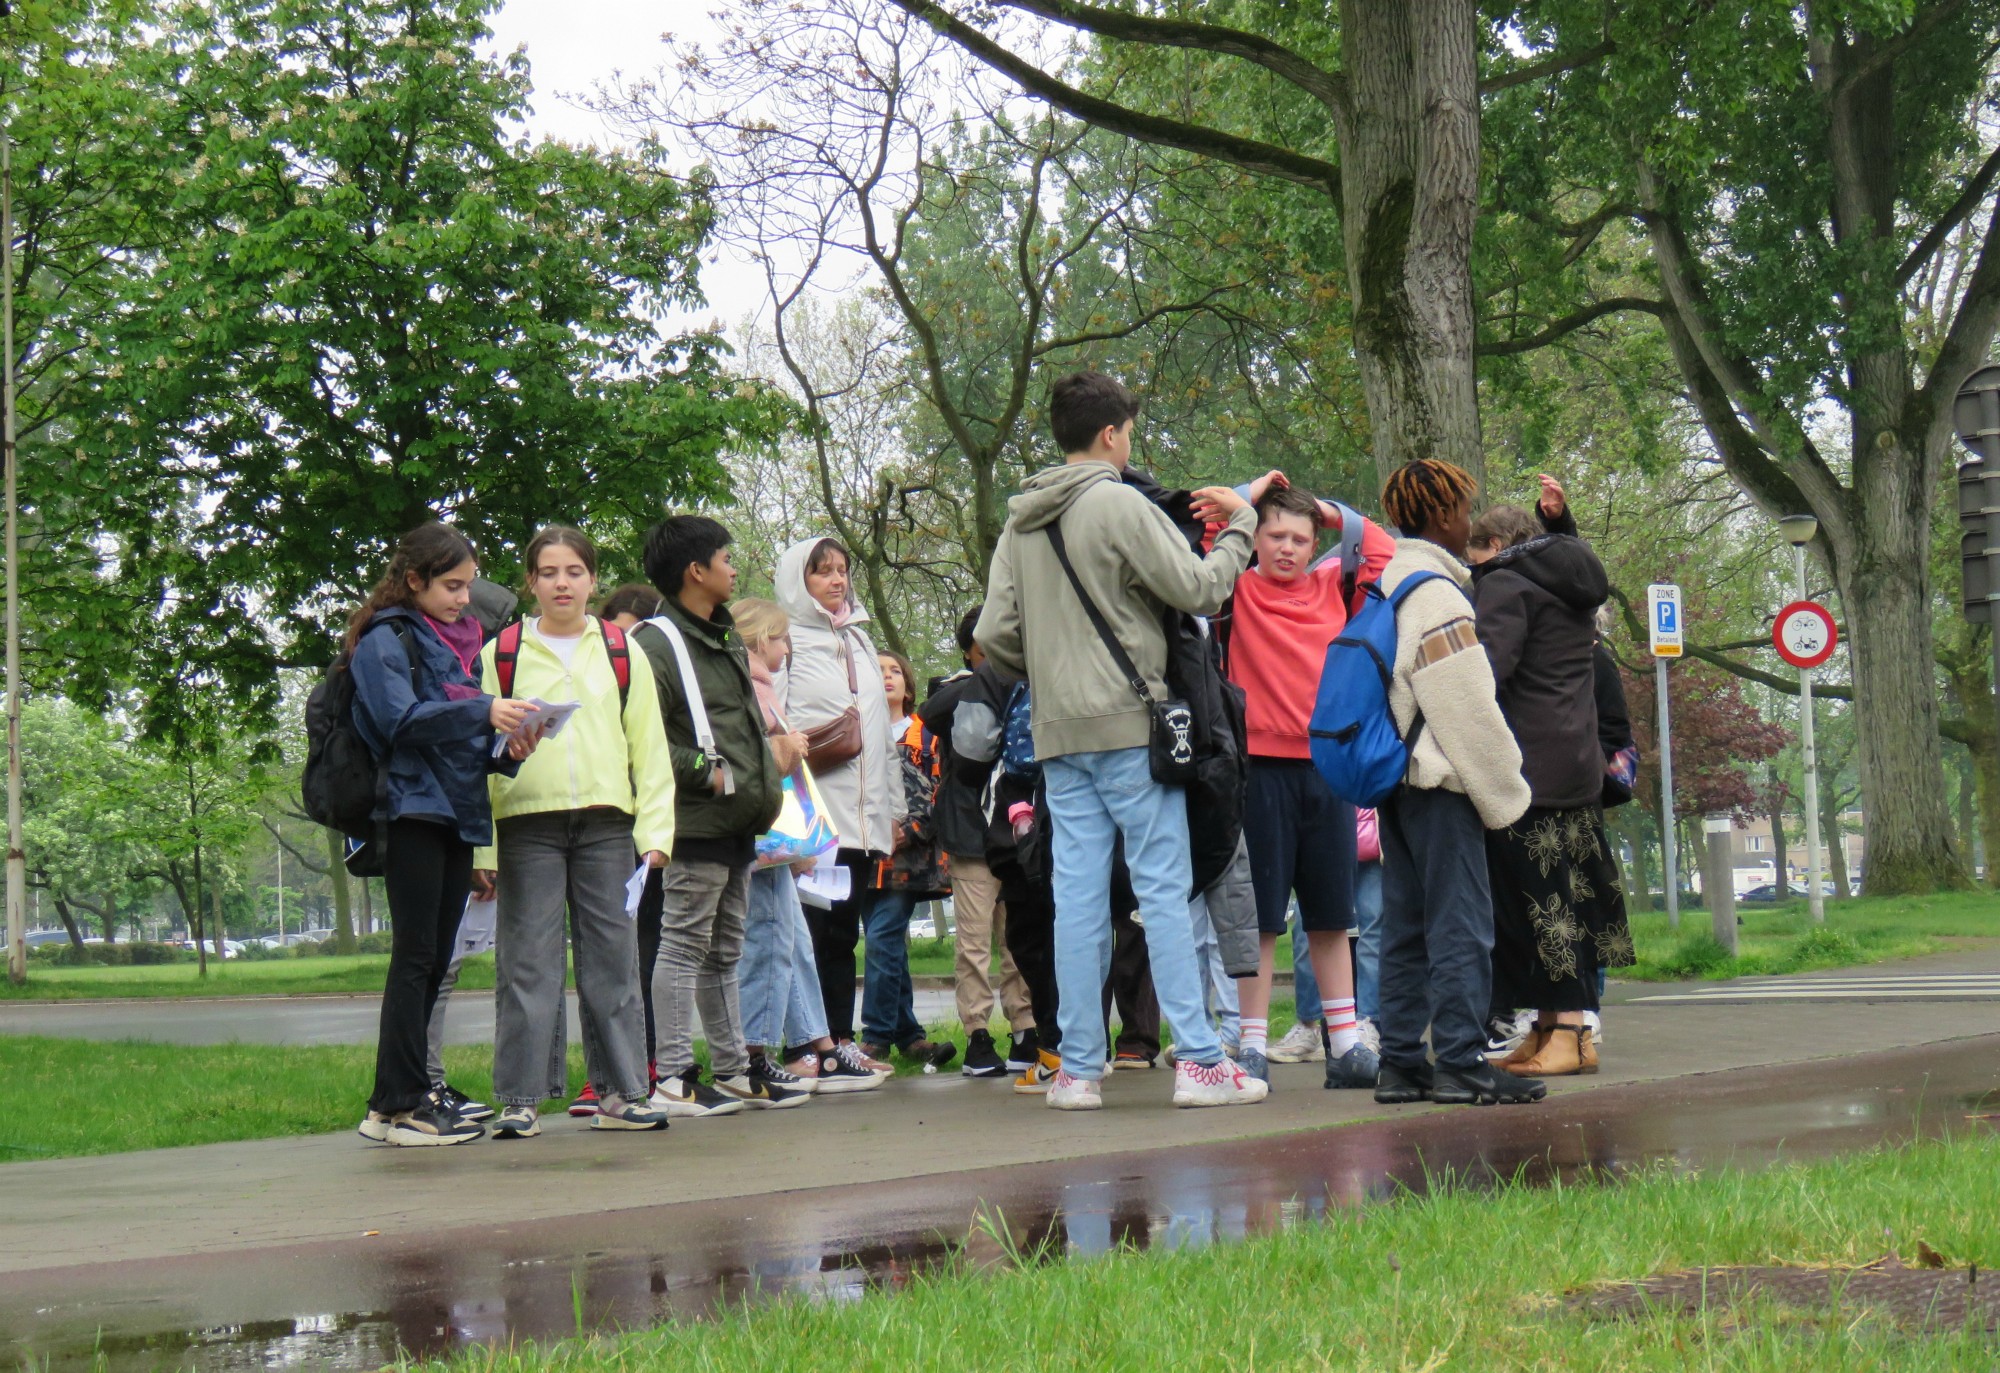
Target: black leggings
428,876
1031,939
834,935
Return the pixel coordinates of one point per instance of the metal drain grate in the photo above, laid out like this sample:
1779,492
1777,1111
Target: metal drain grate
1914,1298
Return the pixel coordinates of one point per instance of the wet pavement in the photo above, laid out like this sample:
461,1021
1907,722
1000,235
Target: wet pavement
353,1303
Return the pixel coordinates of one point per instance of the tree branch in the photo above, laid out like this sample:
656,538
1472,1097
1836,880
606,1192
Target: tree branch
1329,88
1252,156
1570,323
1971,333
1897,46
1968,201
1553,65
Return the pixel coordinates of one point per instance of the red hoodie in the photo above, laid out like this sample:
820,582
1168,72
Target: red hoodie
1278,635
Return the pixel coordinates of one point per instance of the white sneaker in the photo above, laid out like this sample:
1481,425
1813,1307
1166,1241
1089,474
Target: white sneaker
374,1126
1301,1044
1371,1035
1596,1024
1220,1084
1068,1093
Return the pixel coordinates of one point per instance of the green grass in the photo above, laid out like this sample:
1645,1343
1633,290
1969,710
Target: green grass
1783,939
1454,1280
356,974
196,1094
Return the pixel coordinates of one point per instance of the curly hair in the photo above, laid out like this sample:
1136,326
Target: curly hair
1420,493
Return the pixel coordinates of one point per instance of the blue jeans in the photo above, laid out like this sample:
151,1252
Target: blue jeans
1224,1010
1306,1005
805,1008
888,999
1368,946
1094,798
771,934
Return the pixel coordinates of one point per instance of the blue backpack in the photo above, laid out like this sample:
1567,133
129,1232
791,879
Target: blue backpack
1017,736
1355,743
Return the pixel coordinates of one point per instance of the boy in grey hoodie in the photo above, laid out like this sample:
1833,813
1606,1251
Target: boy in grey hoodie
1091,727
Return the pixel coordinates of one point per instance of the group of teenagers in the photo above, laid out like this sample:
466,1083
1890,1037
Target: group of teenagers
1475,909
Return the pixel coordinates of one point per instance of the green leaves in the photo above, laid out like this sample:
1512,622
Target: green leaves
352,298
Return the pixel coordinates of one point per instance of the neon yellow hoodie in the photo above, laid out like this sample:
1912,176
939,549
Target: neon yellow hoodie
598,759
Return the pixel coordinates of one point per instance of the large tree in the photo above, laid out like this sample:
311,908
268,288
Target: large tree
1797,172
374,304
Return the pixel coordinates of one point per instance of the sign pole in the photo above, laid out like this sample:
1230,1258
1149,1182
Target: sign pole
1667,842
1815,861
1665,638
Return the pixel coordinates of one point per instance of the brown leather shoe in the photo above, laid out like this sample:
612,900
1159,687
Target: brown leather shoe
1561,1054
1587,1051
1530,1045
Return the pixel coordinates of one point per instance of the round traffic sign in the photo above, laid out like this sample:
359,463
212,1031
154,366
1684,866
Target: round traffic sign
1804,634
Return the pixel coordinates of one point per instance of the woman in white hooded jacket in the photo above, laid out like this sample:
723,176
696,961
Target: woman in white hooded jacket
833,670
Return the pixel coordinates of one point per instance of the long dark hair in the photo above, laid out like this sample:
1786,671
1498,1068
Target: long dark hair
428,551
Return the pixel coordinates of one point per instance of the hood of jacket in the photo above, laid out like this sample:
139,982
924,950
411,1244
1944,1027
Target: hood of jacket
1561,565
1051,491
789,586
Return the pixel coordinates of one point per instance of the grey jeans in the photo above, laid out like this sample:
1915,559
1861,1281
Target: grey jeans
579,859
1437,929
701,942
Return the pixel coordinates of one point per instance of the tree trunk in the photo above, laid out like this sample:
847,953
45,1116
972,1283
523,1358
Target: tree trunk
194,919
1836,843
215,897
68,922
110,918
1885,586
1967,663
1780,854
1642,866
367,925
343,900
1409,142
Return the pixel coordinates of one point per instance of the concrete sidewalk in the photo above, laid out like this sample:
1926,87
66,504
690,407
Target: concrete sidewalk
233,1197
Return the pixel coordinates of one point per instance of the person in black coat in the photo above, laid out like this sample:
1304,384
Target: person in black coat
1558,912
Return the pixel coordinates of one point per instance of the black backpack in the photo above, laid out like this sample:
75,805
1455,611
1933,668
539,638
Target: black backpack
343,781
1217,795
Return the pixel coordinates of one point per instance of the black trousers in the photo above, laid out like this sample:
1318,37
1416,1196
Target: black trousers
428,873
652,911
834,934
1031,939
1130,988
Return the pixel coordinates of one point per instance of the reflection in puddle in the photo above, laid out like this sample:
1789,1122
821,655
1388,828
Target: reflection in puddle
635,1269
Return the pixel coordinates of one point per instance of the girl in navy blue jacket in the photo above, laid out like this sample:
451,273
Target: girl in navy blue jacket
417,706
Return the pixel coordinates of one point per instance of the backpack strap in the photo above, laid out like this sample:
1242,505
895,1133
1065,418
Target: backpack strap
1097,620
621,659
704,734
507,653
402,630
1351,527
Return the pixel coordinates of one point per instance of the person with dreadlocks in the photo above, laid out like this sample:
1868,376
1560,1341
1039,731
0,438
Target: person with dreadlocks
1464,778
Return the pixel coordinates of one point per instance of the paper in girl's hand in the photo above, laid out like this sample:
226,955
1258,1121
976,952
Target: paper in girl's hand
827,883
549,719
635,887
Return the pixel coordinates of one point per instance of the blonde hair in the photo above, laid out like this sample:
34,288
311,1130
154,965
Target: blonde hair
759,622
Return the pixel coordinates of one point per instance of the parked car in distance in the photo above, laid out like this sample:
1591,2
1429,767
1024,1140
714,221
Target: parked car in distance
308,937
37,938
1769,893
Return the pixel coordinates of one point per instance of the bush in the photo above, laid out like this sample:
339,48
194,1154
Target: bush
110,955
263,953
381,941
1822,947
1696,956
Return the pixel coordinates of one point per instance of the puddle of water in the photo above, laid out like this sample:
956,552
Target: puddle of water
356,1304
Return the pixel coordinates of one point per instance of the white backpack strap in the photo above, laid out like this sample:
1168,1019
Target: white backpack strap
704,736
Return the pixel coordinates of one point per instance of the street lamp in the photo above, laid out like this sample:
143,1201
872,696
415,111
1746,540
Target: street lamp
1799,531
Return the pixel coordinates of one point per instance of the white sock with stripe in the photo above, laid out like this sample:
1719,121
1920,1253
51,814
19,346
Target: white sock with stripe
1341,1032
1256,1034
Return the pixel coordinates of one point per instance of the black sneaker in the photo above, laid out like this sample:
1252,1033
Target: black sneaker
981,1058
758,1094
430,1125
1481,1086
1357,1068
762,1069
1023,1050
1396,1085
688,1097
461,1105
842,1071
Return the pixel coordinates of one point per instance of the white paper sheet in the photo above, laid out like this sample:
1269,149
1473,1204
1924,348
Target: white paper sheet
550,717
635,887
827,883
